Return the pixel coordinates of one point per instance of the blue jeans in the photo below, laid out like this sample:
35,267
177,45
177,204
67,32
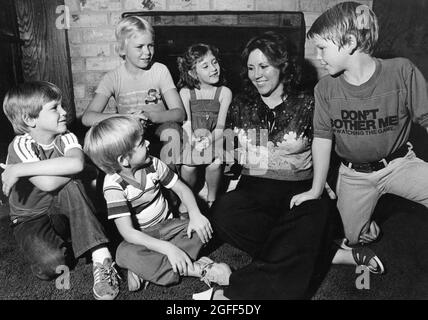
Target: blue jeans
67,230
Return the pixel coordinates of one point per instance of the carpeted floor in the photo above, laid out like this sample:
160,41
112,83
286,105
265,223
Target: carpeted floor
17,282
403,249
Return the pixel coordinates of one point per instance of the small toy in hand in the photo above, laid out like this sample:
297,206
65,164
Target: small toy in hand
201,143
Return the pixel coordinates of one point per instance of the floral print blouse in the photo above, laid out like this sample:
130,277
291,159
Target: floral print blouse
273,143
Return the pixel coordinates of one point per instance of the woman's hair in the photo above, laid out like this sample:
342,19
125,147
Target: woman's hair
278,51
344,19
128,26
187,64
27,100
111,138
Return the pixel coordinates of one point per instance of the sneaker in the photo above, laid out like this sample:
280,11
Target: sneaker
134,282
106,280
213,272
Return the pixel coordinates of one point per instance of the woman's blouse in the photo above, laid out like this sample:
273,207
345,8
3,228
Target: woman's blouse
273,143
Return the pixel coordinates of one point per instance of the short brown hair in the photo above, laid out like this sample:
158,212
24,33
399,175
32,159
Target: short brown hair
111,138
344,19
27,100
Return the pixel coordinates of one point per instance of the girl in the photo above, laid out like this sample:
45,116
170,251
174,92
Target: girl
206,102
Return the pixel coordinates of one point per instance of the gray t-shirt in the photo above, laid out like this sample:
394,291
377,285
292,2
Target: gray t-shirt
137,93
372,120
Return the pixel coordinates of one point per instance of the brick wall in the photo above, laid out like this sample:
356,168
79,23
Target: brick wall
93,44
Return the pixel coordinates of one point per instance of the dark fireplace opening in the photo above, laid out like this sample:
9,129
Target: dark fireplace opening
229,31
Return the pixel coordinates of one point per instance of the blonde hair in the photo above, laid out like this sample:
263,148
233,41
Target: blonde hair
111,138
128,26
344,19
26,101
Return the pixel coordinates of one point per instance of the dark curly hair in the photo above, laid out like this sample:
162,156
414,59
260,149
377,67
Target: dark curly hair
279,53
191,57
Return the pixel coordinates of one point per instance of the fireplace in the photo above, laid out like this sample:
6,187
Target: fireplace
227,30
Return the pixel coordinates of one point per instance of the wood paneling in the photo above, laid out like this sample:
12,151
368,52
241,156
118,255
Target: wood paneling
10,66
45,49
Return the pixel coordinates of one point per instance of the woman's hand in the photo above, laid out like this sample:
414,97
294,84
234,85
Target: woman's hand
201,225
179,260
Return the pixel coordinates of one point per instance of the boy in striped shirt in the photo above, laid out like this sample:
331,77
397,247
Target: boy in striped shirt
53,220
157,247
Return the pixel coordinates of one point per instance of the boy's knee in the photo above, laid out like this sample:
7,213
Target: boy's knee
213,166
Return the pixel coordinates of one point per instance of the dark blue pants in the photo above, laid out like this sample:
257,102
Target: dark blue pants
285,244
69,229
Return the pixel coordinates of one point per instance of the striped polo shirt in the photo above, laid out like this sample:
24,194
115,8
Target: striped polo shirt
25,198
141,199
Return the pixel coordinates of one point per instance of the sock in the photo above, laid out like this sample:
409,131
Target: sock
100,254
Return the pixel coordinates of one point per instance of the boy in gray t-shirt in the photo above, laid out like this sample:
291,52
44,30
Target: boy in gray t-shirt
367,105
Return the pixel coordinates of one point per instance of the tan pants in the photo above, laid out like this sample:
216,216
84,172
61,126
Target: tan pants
358,192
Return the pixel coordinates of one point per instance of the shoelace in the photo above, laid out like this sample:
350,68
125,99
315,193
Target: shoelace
105,273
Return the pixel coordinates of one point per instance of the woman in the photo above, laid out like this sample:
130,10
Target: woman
274,127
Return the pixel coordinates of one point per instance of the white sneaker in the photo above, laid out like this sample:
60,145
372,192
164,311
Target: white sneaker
213,272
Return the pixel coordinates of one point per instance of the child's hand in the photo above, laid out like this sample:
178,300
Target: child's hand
201,225
9,177
140,115
202,143
302,197
179,260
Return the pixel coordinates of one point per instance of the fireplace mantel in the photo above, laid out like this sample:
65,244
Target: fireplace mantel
227,30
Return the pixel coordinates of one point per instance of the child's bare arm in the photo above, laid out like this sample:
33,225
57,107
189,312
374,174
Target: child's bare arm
187,125
175,110
185,98
47,175
198,223
225,100
94,112
177,257
321,149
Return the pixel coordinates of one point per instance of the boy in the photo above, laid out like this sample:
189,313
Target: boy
47,204
140,86
367,105
155,247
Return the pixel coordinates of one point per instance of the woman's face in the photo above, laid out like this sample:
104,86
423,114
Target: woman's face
263,74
